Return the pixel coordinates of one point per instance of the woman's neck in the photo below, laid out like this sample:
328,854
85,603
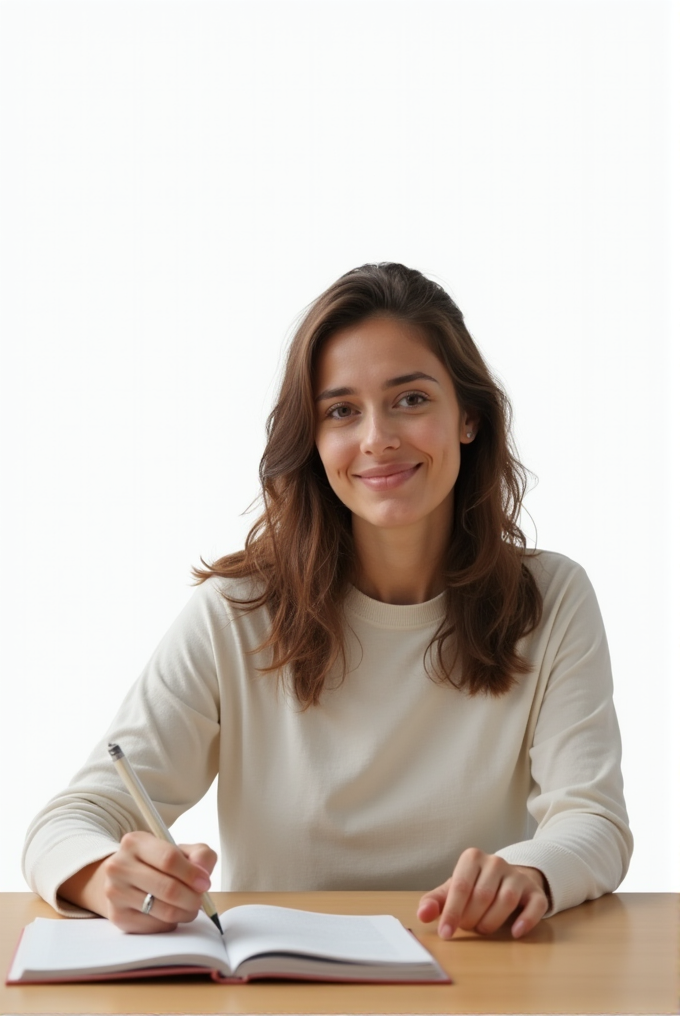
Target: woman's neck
400,565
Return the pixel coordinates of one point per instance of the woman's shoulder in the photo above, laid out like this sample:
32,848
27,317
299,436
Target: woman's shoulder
556,573
219,616
549,563
564,585
230,597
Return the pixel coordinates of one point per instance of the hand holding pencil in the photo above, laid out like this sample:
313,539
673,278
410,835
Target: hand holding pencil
145,877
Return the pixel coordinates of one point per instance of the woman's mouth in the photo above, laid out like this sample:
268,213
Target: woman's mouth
388,477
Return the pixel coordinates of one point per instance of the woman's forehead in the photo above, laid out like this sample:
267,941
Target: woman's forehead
370,348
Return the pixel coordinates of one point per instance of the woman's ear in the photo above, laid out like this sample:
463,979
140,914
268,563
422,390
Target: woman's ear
468,428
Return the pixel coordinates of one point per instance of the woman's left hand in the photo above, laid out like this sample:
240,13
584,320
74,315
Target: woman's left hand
483,892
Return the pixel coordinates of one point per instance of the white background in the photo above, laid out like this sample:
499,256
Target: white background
179,180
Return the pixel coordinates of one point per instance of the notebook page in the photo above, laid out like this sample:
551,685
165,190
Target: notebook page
79,946
253,929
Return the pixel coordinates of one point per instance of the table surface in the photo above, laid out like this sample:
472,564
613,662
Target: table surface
618,954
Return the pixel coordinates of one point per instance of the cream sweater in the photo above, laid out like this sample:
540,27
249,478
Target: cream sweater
384,783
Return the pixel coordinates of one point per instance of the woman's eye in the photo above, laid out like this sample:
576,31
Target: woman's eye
412,399
339,412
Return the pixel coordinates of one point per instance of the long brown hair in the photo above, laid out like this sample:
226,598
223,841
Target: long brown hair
301,548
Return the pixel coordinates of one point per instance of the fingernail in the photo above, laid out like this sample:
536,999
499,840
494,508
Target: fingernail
518,928
446,931
201,884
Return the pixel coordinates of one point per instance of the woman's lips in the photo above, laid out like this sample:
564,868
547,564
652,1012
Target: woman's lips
388,481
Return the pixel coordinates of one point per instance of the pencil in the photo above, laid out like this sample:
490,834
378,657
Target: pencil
151,816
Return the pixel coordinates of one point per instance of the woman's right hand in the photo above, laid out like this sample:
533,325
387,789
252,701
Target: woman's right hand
176,877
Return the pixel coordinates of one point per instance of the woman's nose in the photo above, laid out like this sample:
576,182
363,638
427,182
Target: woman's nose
379,434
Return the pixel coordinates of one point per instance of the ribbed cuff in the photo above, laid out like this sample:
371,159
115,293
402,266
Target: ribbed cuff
60,862
562,869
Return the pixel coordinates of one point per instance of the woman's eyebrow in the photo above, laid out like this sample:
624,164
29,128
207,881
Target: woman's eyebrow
407,378
404,379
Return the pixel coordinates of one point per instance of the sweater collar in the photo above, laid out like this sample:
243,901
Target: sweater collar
392,615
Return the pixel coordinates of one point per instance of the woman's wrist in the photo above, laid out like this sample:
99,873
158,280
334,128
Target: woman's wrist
85,888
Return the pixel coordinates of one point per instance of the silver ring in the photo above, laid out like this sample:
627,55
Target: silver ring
147,904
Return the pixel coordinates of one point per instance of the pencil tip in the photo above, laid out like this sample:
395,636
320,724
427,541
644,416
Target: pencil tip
216,921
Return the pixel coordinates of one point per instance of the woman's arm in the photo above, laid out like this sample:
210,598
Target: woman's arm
169,726
582,844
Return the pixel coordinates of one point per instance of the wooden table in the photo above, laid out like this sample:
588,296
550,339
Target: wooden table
618,954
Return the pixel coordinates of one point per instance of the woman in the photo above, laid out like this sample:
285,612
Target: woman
394,692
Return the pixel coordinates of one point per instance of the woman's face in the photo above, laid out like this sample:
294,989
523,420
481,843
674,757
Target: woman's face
389,426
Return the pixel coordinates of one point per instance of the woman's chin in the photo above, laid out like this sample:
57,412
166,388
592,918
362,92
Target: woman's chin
389,517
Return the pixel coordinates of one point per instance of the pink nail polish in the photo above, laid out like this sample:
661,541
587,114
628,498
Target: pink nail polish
446,931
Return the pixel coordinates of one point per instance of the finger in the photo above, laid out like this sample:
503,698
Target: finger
431,903
144,865
507,899
536,906
173,901
124,901
167,858
461,887
127,886
201,855
490,896
134,923
429,908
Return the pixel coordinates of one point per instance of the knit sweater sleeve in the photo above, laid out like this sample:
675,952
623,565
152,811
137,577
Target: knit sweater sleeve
582,842
168,726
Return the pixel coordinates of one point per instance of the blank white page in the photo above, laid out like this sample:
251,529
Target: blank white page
253,929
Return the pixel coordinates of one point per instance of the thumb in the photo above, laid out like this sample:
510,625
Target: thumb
432,903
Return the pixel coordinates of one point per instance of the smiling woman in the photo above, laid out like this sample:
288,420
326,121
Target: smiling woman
391,453
394,691
347,408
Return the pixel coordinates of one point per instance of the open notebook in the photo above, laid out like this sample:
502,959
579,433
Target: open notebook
259,942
